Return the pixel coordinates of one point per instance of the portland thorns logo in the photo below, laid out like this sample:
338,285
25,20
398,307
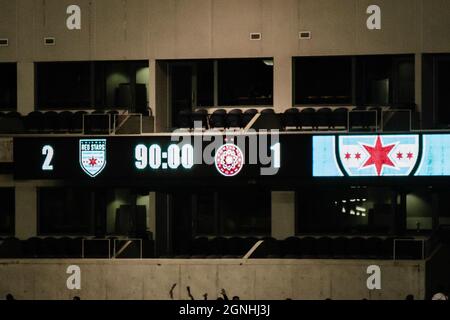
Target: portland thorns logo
93,156
229,160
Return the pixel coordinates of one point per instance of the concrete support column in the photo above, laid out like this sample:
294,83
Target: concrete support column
283,214
282,83
25,85
26,212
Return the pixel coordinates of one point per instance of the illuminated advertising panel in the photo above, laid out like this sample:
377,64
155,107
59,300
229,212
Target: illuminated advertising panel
381,155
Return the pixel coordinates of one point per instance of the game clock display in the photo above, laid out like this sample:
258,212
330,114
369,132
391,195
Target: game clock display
155,158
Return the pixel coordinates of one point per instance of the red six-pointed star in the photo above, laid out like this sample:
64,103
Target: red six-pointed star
379,156
92,161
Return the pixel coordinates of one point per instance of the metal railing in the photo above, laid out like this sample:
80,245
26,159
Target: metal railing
399,117
83,248
378,120
121,249
362,120
114,251
128,123
97,123
110,124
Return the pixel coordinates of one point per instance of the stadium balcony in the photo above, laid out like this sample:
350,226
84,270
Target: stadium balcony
99,122
76,248
308,247
303,119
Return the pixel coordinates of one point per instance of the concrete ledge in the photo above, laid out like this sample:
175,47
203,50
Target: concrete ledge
248,279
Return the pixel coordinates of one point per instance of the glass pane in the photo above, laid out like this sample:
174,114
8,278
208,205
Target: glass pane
7,211
245,82
8,86
356,210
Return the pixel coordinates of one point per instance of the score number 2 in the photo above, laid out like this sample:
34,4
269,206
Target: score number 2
48,152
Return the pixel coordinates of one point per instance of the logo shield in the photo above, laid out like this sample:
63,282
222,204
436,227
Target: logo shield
92,156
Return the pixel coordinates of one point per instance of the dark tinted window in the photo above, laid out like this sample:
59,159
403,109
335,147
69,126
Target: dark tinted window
8,86
230,213
245,82
205,83
64,85
121,85
385,80
65,211
7,211
89,85
345,210
323,80
442,93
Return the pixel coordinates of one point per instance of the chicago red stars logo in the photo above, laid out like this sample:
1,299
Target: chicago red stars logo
229,160
92,156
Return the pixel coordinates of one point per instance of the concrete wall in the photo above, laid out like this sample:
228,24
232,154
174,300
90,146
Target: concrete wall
249,279
187,29
146,29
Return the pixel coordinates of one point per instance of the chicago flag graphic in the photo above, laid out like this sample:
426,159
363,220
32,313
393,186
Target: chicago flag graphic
378,155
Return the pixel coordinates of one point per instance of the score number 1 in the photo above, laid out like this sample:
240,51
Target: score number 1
48,152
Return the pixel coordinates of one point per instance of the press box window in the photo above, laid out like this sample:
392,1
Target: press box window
232,213
65,211
93,85
323,80
245,82
385,80
7,210
61,85
8,86
350,210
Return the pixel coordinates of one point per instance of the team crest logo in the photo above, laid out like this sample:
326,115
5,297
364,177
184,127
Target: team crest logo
93,156
229,160
378,155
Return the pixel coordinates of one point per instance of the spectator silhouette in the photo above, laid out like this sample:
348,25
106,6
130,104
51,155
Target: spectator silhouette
171,291
189,293
10,297
224,294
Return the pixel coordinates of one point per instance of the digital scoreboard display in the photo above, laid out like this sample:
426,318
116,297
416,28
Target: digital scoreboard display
146,158
279,159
